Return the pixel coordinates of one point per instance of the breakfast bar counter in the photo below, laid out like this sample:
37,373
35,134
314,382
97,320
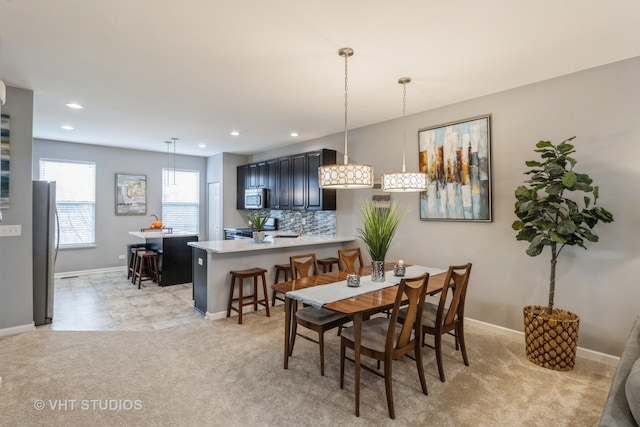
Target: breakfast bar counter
213,260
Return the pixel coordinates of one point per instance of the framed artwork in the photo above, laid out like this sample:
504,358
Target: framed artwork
4,161
457,160
131,194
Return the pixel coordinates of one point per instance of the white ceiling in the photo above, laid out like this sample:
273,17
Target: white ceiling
150,70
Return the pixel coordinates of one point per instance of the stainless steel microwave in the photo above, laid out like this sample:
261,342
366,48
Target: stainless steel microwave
255,198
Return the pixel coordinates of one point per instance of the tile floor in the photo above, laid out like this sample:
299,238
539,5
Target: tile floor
109,302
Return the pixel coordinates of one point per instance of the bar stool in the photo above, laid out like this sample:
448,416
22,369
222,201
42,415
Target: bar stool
246,274
132,260
146,267
286,269
327,262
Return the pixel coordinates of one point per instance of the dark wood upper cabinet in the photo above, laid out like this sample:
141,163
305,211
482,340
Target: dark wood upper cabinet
241,185
300,178
282,191
292,181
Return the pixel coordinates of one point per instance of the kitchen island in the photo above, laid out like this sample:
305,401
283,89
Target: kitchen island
213,260
174,256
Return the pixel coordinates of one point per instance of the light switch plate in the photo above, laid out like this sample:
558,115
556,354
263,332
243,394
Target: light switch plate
10,230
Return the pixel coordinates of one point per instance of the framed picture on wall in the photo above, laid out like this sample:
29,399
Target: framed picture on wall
131,194
456,157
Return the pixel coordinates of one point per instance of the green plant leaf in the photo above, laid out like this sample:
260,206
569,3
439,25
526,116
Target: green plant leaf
555,189
543,144
564,148
569,179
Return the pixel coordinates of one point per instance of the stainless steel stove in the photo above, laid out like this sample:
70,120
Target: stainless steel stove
247,232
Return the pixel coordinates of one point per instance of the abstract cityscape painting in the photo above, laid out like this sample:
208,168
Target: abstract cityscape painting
457,160
4,161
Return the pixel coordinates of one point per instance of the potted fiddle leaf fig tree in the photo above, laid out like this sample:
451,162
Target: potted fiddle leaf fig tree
379,225
557,207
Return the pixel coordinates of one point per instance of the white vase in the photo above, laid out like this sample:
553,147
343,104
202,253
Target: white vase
258,236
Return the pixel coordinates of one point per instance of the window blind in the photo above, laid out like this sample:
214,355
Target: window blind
181,201
75,199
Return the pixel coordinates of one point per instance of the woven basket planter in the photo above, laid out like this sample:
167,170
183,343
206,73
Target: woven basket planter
551,340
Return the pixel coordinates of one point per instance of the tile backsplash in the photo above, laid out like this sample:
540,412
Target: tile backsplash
316,222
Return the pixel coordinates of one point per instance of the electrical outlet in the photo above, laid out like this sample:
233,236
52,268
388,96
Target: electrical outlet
121,257
10,230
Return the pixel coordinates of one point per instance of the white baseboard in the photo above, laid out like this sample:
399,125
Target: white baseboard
580,352
17,330
68,274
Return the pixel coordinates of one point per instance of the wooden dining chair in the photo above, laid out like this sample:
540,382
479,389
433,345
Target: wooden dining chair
387,340
347,259
439,319
319,320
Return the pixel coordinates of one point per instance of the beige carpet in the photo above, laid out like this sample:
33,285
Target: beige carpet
220,373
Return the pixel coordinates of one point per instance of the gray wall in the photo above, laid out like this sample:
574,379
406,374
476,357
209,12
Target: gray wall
16,275
112,231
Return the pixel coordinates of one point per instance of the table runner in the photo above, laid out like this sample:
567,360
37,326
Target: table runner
317,296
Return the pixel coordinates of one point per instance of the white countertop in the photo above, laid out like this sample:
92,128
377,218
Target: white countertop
246,245
160,234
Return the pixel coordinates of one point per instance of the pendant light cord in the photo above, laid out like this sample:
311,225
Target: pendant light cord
346,107
346,52
404,125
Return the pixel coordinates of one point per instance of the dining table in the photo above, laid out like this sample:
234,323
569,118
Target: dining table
361,305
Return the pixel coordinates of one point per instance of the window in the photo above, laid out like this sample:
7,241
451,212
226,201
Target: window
75,199
181,200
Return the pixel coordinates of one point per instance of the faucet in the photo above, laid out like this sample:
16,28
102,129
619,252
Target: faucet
295,215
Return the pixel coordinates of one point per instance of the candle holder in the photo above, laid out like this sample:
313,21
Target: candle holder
398,270
353,280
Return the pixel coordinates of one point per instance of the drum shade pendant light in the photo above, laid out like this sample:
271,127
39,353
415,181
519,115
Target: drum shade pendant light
345,175
404,181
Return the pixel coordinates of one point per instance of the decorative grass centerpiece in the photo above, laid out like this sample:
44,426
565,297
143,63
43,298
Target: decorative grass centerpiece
379,225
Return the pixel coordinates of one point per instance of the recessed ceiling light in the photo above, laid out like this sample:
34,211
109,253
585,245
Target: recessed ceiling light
67,127
74,105
235,133
202,145
294,134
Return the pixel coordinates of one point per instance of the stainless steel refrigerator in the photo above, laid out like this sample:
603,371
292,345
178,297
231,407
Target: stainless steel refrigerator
45,249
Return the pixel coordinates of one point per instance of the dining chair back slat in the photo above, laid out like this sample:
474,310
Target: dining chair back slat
302,265
347,259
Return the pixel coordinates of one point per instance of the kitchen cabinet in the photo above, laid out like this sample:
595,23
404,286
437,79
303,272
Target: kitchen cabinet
257,175
292,181
279,183
307,194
